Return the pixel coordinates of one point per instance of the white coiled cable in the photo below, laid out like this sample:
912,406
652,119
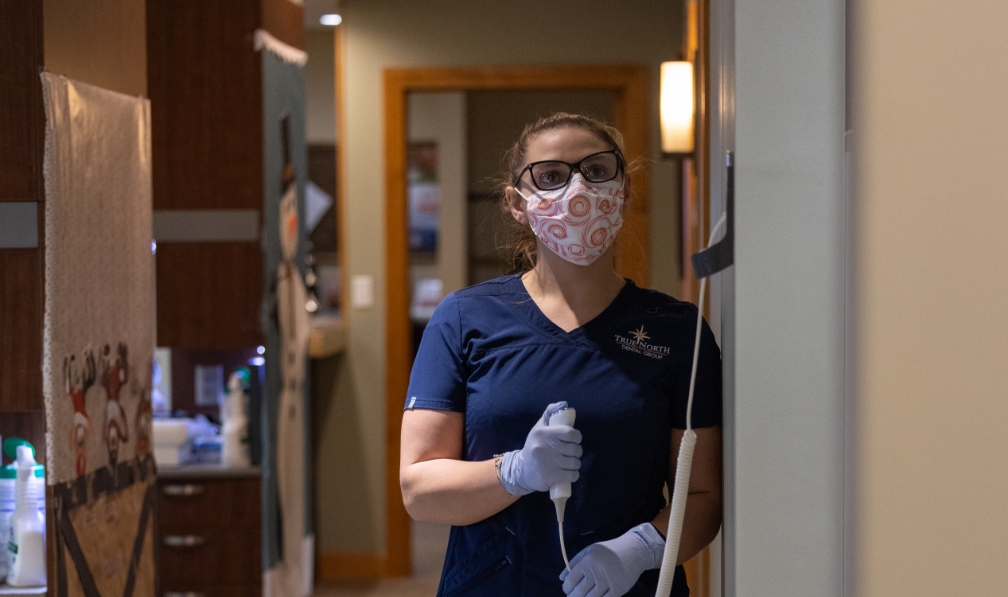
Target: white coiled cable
685,461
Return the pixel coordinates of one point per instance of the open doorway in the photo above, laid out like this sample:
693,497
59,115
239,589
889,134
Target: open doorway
458,228
616,93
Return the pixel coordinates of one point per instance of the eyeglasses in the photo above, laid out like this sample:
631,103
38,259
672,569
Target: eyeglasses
554,174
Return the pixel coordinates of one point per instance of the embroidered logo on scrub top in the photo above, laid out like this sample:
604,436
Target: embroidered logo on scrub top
640,334
639,345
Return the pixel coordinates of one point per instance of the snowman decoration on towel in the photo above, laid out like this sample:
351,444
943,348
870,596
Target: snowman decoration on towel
115,374
78,378
292,317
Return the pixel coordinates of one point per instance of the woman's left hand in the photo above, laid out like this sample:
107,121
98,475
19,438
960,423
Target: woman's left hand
612,567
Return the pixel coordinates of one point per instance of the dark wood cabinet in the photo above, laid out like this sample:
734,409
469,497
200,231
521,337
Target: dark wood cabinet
209,534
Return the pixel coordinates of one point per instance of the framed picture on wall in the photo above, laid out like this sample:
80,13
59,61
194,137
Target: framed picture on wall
424,196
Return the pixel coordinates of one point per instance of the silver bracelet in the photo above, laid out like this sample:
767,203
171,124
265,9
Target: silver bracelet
498,461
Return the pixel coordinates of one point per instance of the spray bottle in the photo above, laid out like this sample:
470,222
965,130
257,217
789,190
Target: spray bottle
235,447
10,446
26,547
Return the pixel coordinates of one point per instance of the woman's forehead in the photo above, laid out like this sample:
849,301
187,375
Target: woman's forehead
565,144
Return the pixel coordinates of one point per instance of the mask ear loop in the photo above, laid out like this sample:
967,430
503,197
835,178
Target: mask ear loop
522,195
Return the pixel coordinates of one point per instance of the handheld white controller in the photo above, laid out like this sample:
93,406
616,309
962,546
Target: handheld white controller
563,416
560,493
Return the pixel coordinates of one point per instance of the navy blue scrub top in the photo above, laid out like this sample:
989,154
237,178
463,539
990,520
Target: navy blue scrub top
491,354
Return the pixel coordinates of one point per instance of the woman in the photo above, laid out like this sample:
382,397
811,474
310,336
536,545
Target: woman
498,358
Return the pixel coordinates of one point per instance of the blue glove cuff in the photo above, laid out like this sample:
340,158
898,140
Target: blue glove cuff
652,540
510,474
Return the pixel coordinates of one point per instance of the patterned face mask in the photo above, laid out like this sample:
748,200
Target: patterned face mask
577,222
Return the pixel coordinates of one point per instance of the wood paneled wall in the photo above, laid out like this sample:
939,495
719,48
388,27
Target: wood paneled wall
285,21
21,304
209,295
205,86
21,143
21,117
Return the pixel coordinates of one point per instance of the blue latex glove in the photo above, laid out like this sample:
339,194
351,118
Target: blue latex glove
552,455
611,568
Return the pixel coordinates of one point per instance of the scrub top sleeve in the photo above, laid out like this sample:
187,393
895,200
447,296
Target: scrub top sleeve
707,394
438,379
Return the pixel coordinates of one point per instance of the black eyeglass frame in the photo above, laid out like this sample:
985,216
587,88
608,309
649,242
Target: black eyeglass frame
576,166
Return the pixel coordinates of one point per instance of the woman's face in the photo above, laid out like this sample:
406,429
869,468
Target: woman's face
569,145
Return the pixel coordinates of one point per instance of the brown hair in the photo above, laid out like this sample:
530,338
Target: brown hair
520,246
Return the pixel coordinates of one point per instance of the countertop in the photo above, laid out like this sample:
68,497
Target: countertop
327,337
205,471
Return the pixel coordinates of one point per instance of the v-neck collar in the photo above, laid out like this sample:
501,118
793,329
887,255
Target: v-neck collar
537,319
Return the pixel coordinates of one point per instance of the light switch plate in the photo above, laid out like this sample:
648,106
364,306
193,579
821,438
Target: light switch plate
362,292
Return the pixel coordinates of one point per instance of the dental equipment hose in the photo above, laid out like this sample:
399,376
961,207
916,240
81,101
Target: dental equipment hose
560,512
685,460
560,493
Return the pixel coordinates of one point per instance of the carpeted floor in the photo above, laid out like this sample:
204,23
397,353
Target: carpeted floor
429,544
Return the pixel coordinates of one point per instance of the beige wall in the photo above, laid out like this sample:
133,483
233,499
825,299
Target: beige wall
99,42
932,289
402,33
320,87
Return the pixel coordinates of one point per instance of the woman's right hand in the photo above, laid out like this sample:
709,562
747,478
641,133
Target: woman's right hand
552,455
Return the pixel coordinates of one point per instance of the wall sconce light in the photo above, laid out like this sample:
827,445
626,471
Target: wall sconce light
677,101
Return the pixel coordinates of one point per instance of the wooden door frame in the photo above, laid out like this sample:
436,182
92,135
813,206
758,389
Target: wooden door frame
632,115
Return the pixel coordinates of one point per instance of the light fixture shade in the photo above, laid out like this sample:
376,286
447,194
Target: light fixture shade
331,19
678,107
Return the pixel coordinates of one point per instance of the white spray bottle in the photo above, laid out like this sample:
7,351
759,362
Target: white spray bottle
26,550
560,493
235,447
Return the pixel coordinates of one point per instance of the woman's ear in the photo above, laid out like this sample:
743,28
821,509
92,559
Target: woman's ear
516,204
627,194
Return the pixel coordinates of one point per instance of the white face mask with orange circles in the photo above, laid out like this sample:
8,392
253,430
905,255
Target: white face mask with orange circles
577,222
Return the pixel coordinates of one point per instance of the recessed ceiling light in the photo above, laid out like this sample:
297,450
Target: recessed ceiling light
331,20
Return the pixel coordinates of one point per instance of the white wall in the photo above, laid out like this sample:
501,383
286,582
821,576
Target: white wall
932,330
784,331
